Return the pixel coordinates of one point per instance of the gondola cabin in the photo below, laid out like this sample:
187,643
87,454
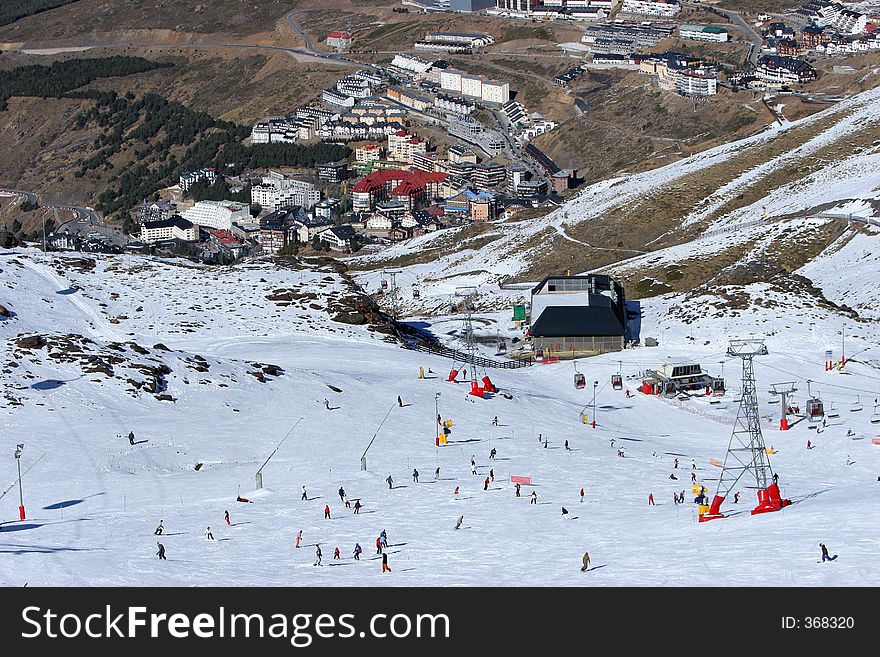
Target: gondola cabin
718,387
815,409
617,381
539,355
416,294
502,348
580,381
384,284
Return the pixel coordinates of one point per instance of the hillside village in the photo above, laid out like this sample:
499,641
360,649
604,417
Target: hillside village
432,146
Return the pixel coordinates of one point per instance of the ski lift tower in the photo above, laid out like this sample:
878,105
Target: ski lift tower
783,390
393,274
468,295
746,453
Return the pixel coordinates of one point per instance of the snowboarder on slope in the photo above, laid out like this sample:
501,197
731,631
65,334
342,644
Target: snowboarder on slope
160,528
327,404
586,561
673,477
567,447
399,401
161,551
459,521
825,556
565,514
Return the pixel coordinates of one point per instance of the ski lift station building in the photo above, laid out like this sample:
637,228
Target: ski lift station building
576,316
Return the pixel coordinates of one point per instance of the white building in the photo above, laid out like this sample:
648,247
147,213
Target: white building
703,33
175,228
450,79
188,179
218,214
276,191
496,92
664,8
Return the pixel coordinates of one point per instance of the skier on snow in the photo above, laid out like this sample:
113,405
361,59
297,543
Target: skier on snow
495,421
304,496
161,551
492,454
378,545
318,556
586,561
341,494
299,536
357,506
582,495
415,475
160,528
651,499
357,551
384,538
517,489
226,517
208,534
385,568
565,514
459,521
326,512
336,553
486,484
534,499
390,482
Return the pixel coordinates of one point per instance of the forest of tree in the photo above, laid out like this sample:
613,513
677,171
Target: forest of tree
12,10
168,139
58,78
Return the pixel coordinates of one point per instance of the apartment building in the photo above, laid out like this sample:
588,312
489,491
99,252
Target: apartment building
276,191
218,214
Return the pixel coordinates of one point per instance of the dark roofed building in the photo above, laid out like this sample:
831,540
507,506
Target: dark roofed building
575,316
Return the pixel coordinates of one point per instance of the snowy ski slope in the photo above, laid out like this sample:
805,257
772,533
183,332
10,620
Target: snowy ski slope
93,500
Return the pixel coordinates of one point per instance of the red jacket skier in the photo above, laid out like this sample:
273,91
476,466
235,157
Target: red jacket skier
327,511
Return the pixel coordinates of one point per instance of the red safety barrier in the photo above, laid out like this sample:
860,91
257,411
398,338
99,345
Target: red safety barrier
714,510
452,374
521,479
476,390
488,385
21,512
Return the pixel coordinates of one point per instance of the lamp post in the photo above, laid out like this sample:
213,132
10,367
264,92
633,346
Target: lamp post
595,384
18,449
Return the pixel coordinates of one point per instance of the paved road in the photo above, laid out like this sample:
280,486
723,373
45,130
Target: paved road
79,214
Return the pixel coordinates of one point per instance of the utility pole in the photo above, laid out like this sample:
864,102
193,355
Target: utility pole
595,384
746,453
842,346
393,274
18,450
437,419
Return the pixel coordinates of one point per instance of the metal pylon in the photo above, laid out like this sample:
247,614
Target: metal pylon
470,343
746,453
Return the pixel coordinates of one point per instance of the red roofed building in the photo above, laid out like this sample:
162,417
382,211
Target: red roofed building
409,187
339,40
224,236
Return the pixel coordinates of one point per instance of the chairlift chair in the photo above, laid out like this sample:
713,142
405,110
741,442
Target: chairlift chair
774,398
617,381
833,412
856,405
580,381
875,418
